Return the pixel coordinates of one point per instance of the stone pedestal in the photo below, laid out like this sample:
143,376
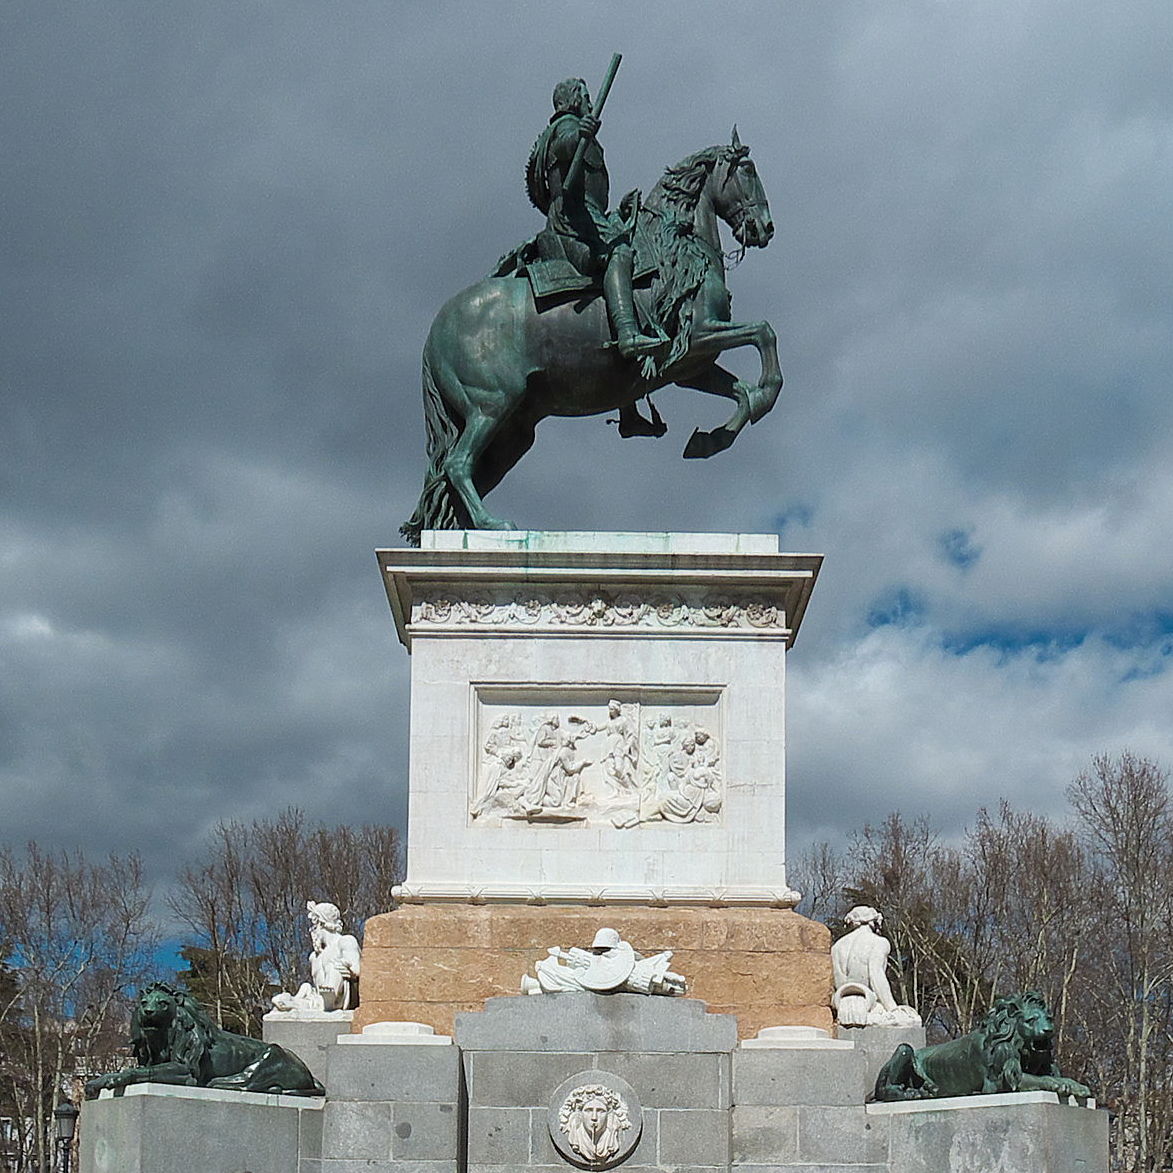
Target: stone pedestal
1020,1132
669,1057
501,1097
876,1044
803,1106
308,1034
597,718
597,738
426,963
157,1128
393,1105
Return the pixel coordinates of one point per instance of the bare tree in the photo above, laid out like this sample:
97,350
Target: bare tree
245,902
78,938
821,875
1079,912
1125,815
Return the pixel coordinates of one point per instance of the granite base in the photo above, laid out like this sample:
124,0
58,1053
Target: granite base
310,1036
159,1128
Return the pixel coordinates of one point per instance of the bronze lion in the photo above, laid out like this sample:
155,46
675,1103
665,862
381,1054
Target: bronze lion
1009,1052
176,1042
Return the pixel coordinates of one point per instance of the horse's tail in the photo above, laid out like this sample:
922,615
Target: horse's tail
437,507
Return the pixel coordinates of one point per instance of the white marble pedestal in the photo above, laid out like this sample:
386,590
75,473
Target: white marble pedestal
597,718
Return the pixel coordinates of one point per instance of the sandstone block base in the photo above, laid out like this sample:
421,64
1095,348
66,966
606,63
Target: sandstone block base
429,962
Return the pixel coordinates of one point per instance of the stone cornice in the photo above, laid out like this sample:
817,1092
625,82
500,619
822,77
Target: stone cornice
689,587
659,896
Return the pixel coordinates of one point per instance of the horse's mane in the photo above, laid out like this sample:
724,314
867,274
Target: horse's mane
679,188
681,261
190,1033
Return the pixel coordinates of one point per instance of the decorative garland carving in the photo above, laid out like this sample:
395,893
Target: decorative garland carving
600,609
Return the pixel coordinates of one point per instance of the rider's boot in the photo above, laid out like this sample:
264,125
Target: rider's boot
621,306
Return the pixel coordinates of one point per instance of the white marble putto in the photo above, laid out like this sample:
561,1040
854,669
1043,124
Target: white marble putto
597,718
335,961
859,964
609,966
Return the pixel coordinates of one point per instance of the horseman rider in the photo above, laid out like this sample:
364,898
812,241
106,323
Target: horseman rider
578,226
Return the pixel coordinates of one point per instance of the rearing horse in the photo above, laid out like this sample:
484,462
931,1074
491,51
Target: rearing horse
494,366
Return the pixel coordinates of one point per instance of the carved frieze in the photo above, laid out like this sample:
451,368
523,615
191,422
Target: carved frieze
617,764
595,609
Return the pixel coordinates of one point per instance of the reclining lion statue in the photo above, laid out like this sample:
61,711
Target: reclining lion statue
1009,1052
175,1041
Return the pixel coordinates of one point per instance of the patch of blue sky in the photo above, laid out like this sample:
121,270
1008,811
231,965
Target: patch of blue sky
1152,666
1147,638
898,606
956,547
1141,630
167,959
796,516
1042,644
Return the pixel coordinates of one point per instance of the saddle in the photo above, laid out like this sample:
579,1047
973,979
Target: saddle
554,278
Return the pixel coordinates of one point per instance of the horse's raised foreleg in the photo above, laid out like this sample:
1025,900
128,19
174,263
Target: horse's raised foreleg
718,336
461,461
631,423
716,380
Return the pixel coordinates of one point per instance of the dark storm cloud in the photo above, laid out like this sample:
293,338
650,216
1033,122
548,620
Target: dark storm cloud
229,225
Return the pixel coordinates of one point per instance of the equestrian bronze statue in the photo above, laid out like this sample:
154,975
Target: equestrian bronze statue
591,315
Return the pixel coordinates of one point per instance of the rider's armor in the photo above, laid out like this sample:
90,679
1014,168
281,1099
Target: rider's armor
579,228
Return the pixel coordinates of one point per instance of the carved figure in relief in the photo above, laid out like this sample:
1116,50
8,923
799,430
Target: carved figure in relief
546,740
501,778
594,1119
661,737
706,755
335,961
556,786
540,770
859,963
609,966
689,794
622,757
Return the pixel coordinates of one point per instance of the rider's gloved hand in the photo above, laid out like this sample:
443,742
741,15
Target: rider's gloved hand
589,126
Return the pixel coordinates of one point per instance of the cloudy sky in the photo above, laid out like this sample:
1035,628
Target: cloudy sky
227,226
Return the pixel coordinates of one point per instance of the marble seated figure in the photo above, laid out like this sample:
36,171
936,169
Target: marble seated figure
335,961
859,962
609,966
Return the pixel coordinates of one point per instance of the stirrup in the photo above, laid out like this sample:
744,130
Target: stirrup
638,345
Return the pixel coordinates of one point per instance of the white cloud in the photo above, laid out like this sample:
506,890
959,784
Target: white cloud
231,229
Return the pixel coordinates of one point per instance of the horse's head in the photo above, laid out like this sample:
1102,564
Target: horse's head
739,198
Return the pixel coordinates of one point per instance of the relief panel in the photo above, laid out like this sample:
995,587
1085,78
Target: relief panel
617,759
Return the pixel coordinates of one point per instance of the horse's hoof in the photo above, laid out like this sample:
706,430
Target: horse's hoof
638,426
496,523
702,444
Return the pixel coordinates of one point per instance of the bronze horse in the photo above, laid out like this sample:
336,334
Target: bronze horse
494,366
